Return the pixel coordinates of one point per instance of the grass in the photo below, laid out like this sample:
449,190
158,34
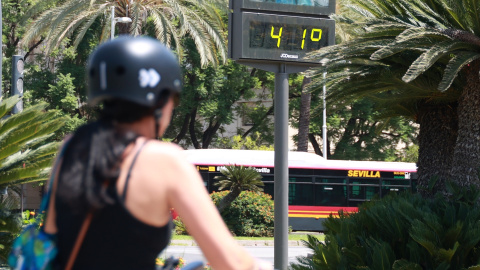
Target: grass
295,237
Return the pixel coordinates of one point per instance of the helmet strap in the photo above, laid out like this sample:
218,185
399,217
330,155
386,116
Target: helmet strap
157,115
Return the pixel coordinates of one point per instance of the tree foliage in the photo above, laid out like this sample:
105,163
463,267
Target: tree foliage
169,21
236,179
428,234
24,155
402,54
251,214
10,225
62,92
208,100
357,130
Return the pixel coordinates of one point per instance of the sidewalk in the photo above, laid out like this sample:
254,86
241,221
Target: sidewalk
291,243
250,243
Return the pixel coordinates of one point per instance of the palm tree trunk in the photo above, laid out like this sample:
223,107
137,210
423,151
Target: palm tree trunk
466,158
228,199
436,140
316,146
304,119
123,28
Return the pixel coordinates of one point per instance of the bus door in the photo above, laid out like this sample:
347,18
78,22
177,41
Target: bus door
362,189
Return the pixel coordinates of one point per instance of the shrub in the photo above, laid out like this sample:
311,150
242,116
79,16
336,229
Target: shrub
180,228
402,231
250,214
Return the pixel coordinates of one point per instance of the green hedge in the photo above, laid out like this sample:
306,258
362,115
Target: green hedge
400,232
251,214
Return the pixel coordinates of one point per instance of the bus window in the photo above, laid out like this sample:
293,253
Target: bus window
268,188
204,176
395,182
300,171
330,195
330,180
363,181
267,178
395,185
297,179
359,192
387,189
211,181
300,194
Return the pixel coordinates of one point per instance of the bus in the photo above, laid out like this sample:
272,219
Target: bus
317,188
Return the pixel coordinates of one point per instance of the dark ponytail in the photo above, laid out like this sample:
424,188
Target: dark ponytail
91,163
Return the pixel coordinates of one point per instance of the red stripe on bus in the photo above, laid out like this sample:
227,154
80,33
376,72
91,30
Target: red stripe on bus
322,208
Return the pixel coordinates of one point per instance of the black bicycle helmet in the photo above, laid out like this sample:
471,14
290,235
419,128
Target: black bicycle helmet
136,69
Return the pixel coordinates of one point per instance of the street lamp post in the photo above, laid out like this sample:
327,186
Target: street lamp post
117,20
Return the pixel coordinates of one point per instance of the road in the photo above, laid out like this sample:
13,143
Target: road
193,253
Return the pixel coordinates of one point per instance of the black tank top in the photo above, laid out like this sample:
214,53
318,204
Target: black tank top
114,240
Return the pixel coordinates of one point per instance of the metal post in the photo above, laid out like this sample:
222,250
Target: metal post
18,65
281,170
324,127
112,31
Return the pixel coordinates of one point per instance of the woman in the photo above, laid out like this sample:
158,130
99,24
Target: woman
115,170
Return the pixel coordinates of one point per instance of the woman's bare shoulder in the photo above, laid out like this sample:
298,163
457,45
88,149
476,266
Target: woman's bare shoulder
160,146
167,160
164,151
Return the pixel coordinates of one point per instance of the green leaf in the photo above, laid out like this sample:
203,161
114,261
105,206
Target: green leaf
7,105
430,57
455,65
418,32
405,265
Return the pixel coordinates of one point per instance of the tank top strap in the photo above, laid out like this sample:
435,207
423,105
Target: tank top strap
124,194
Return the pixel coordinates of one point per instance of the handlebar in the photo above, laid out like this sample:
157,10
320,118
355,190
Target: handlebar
197,265
171,263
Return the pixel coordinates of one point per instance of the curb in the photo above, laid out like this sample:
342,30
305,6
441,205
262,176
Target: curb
250,243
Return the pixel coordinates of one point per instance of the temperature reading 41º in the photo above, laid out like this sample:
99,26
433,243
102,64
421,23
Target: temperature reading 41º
315,35
287,37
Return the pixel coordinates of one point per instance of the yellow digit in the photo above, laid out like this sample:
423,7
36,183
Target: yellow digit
303,40
279,36
316,30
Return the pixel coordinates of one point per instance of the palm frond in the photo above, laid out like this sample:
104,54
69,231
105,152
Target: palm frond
425,13
19,119
414,43
416,32
239,177
34,171
172,19
428,58
454,66
7,105
46,151
25,155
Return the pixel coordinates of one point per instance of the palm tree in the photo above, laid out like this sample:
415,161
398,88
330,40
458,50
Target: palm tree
26,156
25,153
400,53
237,178
449,39
167,20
